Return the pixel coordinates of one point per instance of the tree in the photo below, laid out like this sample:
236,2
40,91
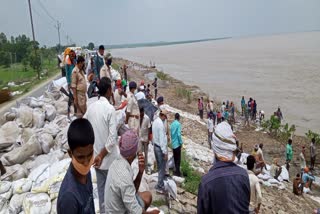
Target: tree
25,62
35,62
5,59
91,46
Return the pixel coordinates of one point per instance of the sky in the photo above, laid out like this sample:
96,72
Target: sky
138,21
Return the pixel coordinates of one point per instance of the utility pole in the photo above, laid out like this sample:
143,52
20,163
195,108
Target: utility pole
58,26
30,11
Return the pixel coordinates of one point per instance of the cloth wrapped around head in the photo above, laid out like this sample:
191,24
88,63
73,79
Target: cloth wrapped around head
129,143
224,142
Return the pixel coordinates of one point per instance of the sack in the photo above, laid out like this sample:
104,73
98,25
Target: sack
25,114
21,186
52,129
7,195
37,203
54,189
25,136
15,172
21,154
15,205
50,112
3,206
61,107
5,186
38,118
9,133
46,142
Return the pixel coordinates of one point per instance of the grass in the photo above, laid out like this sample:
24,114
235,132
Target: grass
116,66
184,93
192,178
161,75
159,203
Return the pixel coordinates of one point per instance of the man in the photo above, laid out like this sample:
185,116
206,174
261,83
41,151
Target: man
75,194
176,140
256,197
133,113
160,148
223,108
210,129
105,70
102,116
155,85
145,131
249,106
275,169
297,185
140,95
98,62
279,114
246,117
243,103
313,153
258,155
302,159
119,95
121,192
307,180
200,107
289,154
79,88
226,188
70,64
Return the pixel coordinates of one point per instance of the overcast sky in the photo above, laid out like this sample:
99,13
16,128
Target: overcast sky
134,21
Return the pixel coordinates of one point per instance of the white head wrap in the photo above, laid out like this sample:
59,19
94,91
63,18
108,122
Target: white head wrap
224,141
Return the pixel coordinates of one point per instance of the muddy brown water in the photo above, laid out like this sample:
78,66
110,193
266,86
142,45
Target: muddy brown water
279,70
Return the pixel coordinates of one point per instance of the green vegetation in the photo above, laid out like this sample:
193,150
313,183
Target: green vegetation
310,135
192,178
159,203
281,132
184,93
116,66
162,76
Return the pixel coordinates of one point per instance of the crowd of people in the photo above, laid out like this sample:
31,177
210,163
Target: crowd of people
94,140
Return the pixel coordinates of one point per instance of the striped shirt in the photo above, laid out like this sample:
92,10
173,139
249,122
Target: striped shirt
120,192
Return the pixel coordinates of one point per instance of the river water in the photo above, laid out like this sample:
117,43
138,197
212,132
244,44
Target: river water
279,70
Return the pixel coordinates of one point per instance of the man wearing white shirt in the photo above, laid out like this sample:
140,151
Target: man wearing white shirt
302,160
140,95
101,115
160,148
210,129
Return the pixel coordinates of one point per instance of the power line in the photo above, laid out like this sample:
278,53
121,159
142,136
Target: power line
46,11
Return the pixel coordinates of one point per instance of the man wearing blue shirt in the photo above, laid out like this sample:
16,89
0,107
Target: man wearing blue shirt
176,140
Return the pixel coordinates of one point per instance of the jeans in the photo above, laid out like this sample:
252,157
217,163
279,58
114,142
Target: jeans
101,182
201,114
161,163
177,159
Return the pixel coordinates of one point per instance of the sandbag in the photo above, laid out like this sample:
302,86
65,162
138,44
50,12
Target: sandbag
21,154
54,189
10,116
15,205
25,136
4,203
38,117
53,157
51,128
35,103
62,167
9,133
41,184
62,121
21,186
61,106
33,176
50,111
61,138
15,172
46,142
25,114
5,186
54,206
37,203
7,195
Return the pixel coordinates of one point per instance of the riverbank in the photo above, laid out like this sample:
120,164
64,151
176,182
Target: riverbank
184,97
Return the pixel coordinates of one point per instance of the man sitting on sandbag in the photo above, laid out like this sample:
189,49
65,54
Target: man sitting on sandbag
121,192
75,195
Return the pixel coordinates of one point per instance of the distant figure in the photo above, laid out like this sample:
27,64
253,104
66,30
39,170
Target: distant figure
275,169
210,129
155,85
246,117
148,92
232,113
289,154
249,105
133,112
145,131
261,116
243,104
175,130
297,185
223,108
70,62
313,153
98,62
254,110
258,155
307,180
279,114
256,196
302,158
226,187
200,108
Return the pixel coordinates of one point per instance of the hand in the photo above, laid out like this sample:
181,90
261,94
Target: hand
165,157
154,212
141,162
97,161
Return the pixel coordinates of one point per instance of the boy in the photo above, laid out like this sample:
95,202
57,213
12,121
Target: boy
75,195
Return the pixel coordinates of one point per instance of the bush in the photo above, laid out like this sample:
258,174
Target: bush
192,178
282,132
5,59
162,75
310,135
184,93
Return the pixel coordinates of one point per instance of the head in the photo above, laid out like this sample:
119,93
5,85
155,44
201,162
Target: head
261,145
223,103
142,82
80,62
298,175
101,50
275,161
256,147
303,149
72,54
177,116
141,112
313,140
242,97
104,87
148,85
128,145
118,84
80,141
250,162
132,86
163,114
108,59
156,79
306,170
290,141
160,100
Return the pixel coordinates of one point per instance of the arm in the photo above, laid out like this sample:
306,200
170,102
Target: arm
163,140
137,181
259,195
74,82
179,134
203,204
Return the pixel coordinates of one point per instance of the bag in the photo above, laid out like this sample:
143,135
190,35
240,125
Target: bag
37,203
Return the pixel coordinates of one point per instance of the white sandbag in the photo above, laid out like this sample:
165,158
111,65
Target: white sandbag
43,183
4,206
273,181
38,118
5,186
62,121
7,195
24,137
52,129
171,187
15,172
15,205
61,107
9,116
61,139
52,157
35,103
37,203
9,133
46,142
25,116
264,177
35,174
171,163
62,166
50,112
53,190
284,174
54,206
21,186
21,154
